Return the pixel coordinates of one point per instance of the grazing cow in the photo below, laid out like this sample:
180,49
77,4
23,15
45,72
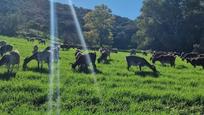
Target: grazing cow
5,48
189,55
84,61
2,43
199,61
103,57
139,61
42,41
144,53
30,39
78,53
132,52
169,59
41,57
157,54
106,50
10,60
35,49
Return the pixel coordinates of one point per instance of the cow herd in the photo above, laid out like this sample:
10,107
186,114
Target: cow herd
40,40
194,58
165,58
83,61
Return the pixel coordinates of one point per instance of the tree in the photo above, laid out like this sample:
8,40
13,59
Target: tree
170,24
92,37
99,21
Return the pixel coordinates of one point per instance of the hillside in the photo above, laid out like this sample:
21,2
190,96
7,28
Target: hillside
176,90
20,16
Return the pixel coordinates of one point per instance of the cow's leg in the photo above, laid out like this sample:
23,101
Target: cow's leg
18,66
8,68
86,68
128,67
81,67
140,68
12,66
49,66
38,64
41,65
94,66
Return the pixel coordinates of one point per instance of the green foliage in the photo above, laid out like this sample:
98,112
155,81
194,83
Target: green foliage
170,24
117,91
99,23
21,16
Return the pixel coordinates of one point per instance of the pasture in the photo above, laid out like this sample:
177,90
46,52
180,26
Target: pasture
117,91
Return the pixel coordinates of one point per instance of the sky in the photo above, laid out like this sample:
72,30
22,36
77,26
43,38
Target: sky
124,8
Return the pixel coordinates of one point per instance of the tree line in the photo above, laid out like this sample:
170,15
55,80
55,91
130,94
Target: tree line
33,17
173,25
170,25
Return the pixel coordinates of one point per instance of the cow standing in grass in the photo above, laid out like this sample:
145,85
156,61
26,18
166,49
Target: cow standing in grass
189,55
40,57
35,49
101,50
165,59
42,41
104,57
31,39
5,48
139,61
132,52
84,61
10,60
199,61
157,54
78,53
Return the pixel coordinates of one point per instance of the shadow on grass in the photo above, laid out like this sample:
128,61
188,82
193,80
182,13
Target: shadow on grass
43,70
89,71
7,76
107,62
147,73
181,67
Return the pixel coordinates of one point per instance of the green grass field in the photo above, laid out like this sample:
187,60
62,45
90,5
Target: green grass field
178,90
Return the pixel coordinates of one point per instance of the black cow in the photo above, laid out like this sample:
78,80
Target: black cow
169,59
189,55
42,41
6,48
84,61
104,57
157,54
199,61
